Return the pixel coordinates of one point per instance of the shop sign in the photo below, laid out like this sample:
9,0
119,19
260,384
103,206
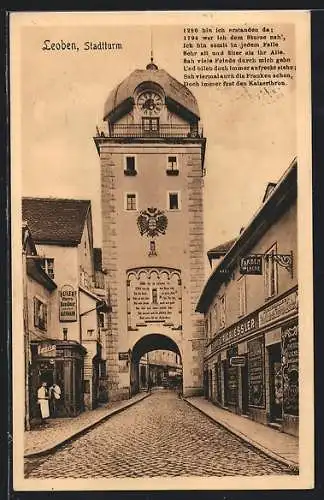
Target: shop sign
251,264
237,361
256,372
279,309
290,369
68,303
236,332
46,350
123,356
232,381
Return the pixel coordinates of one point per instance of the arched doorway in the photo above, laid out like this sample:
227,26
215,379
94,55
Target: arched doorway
147,344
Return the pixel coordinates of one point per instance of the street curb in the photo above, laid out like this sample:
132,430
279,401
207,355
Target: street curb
79,433
294,467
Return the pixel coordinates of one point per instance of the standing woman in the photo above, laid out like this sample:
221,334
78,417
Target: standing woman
42,395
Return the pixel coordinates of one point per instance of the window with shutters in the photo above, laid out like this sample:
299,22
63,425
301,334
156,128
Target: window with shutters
270,272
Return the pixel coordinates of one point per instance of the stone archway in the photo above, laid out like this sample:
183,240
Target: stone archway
148,343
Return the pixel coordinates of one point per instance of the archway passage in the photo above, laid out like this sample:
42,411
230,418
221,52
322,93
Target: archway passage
151,365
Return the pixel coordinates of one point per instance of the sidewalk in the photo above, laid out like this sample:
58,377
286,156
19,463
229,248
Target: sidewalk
60,430
275,444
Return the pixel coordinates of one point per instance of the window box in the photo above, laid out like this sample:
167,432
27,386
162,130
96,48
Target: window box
171,171
130,172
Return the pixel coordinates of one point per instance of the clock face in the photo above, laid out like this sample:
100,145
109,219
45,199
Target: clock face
150,103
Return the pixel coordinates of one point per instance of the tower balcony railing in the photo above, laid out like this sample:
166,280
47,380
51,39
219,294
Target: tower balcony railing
160,131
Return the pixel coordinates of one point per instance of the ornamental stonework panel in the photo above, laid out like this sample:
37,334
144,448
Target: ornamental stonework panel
154,297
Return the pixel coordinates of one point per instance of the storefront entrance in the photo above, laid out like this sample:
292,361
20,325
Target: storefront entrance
275,381
59,362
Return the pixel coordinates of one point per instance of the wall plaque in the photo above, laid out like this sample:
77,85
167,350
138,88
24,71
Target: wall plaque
154,296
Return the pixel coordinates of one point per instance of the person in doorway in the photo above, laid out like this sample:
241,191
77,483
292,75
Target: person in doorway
43,399
55,396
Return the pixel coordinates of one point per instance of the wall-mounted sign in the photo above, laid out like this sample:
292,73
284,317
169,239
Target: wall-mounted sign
123,356
231,385
236,332
46,350
251,264
68,303
256,372
237,361
279,310
289,358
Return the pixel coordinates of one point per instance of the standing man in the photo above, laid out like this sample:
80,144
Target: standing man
43,397
55,396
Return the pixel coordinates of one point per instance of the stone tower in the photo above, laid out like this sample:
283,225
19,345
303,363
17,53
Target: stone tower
151,151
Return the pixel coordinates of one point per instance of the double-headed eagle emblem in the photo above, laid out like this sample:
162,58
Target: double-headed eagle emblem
152,222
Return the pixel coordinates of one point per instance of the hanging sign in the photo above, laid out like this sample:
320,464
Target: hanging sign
251,264
123,356
68,303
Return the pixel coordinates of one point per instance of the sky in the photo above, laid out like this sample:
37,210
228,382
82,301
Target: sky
251,134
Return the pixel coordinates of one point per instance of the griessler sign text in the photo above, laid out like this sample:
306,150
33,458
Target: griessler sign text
237,331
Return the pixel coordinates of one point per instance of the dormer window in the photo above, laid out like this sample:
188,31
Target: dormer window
48,266
172,165
130,165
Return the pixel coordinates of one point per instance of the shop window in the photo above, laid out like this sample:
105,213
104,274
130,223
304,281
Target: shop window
270,272
40,314
48,266
242,296
130,166
131,201
173,200
172,165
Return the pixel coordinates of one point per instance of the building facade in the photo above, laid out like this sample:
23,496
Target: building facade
160,368
71,350
151,151
38,292
250,303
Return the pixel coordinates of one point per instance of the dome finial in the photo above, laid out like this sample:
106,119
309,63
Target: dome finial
151,65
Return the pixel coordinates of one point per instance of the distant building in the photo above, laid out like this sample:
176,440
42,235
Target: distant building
159,368
74,354
251,315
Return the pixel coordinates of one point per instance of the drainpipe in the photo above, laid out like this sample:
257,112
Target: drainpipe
26,339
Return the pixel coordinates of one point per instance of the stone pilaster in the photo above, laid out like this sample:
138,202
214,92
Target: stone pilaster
196,259
109,254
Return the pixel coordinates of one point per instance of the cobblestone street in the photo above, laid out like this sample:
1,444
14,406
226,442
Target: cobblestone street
159,436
